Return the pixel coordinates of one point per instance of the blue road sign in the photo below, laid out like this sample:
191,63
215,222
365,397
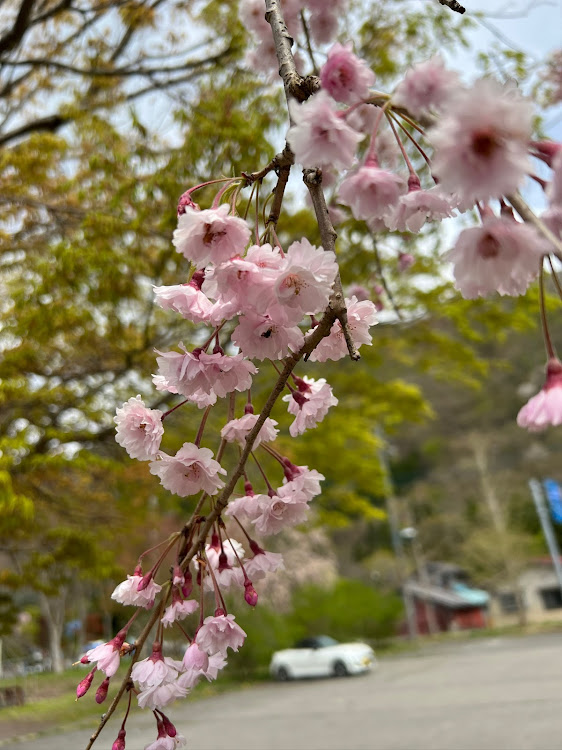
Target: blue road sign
554,497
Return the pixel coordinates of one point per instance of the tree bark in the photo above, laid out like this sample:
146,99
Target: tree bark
53,612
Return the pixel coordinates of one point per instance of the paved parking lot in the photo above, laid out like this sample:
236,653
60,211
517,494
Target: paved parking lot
493,694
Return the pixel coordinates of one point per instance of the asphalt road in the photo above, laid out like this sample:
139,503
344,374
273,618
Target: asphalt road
496,694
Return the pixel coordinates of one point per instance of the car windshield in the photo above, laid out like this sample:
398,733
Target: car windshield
323,641
319,641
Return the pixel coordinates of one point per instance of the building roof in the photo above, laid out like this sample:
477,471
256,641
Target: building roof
446,597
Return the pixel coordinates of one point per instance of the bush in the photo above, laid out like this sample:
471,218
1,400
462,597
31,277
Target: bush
350,610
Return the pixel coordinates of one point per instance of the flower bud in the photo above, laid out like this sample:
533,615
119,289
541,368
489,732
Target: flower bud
119,743
101,692
85,684
250,594
170,729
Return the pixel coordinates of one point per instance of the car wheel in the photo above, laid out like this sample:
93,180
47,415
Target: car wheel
283,675
340,670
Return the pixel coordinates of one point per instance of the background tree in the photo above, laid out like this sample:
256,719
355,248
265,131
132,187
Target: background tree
89,177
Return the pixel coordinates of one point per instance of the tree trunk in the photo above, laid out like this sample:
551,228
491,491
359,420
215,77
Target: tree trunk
53,612
479,451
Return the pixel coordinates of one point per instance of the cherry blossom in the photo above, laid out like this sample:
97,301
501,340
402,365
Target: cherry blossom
165,742
107,655
230,547
155,670
481,141
262,563
286,508
544,409
127,592
236,430
178,610
210,236
371,192
260,337
160,696
361,315
319,137
324,24
309,405
426,87
305,480
195,658
225,374
139,430
417,207
502,255
305,283
186,299
245,508
245,282
192,469
198,374
346,77
219,633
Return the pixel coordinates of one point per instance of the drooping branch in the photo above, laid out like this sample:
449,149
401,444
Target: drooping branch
301,89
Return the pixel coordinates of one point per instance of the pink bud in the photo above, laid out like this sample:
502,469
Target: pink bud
250,594
84,660
223,562
197,279
300,398
170,729
119,743
85,684
219,612
405,260
101,692
302,385
146,579
185,201
187,587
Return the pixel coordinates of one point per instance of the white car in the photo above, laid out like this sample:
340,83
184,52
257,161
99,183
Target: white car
322,656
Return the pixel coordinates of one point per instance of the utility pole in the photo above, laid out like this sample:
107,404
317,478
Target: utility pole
548,531
397,543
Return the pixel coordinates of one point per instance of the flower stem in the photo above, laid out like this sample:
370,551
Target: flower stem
550,352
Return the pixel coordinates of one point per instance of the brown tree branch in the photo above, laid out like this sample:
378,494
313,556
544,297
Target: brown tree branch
21,24
296,87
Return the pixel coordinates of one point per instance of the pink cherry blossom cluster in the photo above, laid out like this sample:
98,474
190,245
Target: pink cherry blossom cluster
481,137
256,296
254,300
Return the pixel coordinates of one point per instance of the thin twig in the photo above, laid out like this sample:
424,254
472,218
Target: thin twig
527,215
385,284
139,643
308,44
313,181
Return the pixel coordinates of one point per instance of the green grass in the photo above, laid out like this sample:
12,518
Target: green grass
51,700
